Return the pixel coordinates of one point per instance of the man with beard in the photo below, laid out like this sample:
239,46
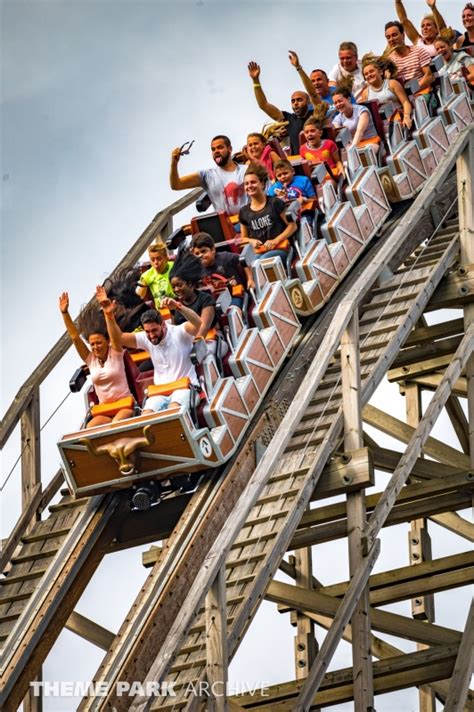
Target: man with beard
300,103
223,184
169,347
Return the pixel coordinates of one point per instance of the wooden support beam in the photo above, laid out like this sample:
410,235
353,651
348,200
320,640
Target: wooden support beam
423,499
90,631
419,543
290,597
387,460
395,673
428,334
341,619
420,368
431,382
306,646
436,449
459,422
419,438
424,352
216,644
455,524
356,516
463,667
30,450
454,290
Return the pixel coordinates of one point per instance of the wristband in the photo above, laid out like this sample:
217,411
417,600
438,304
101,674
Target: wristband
256,84
298,68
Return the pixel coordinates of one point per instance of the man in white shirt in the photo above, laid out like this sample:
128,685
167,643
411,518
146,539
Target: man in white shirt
169,347
348,65
223,184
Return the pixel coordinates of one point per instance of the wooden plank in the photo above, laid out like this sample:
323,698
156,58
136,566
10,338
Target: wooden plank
459,422
216,644
419,438
455,290
30,451
90,631
428,334
463,667
391,674
410,494
431,382
403,432
387,460
422,607
356,516
290,597
341,619
420,368
455,524
20,527
305,644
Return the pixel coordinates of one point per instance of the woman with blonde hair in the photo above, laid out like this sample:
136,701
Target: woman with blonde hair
431,25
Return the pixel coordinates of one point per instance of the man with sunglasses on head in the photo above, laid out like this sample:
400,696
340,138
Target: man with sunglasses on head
169,347
224,184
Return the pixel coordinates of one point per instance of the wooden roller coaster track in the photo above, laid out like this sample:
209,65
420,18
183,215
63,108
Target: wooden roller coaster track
224,544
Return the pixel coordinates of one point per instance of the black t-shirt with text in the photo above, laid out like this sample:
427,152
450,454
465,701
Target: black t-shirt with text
265,224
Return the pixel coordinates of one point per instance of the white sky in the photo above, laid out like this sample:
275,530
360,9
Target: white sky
95,94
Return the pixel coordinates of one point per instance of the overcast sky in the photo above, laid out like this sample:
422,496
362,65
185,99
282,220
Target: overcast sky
95,94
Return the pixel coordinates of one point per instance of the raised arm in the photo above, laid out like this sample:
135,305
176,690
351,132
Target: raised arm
193,321
178,182
307,83
410,29
118,338
80,346
272,111
439,19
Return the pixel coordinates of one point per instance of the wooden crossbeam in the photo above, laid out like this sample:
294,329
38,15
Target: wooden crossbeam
432,447
290,597
90,631
400,672
419,438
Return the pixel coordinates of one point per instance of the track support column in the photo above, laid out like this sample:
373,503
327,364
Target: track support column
216,644
356,517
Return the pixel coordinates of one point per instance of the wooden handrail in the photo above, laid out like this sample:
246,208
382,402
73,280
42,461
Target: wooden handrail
20,402
20,527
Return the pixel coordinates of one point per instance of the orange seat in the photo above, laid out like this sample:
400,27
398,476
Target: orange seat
140,356
111,409
166,389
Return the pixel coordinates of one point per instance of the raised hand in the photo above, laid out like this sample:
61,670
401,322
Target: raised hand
64,303
293,57
254,70
175,154
170,303
108,307
431,3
